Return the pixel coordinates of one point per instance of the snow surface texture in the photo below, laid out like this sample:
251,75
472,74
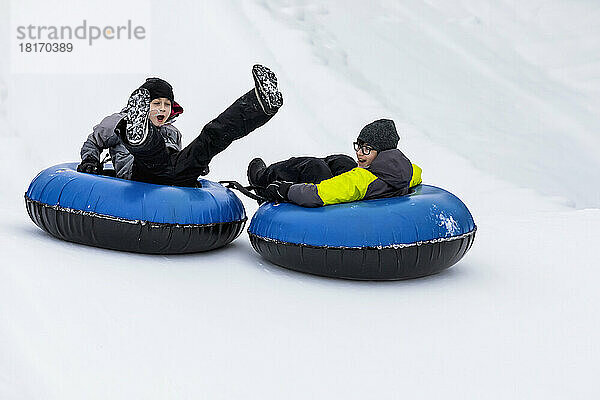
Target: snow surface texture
496,100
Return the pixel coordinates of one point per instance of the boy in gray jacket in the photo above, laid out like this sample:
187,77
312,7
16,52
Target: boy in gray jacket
144,145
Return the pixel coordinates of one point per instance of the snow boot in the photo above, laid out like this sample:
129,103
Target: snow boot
255,168
205,170
265,87
138,107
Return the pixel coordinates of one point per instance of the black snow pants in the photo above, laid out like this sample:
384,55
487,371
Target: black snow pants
306,169
154,163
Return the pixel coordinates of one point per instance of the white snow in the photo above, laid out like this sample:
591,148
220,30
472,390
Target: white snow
449,223
497,101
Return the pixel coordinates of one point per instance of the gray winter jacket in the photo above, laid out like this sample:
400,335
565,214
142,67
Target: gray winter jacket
103,137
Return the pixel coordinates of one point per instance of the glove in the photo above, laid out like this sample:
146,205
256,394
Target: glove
204,170
277,191
90,166
121,128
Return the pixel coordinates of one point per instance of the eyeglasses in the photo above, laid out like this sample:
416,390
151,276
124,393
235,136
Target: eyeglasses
365,148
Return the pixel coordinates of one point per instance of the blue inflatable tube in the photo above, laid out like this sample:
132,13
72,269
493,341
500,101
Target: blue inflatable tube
415,235
133,216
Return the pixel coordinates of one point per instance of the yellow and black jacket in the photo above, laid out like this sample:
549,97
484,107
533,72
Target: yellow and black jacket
390,174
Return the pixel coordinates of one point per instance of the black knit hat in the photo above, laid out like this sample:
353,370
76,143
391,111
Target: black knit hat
380,134
159,88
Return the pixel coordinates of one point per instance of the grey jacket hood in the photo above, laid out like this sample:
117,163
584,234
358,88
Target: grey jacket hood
392,167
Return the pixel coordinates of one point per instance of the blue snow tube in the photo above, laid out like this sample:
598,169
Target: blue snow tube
120,214
404,237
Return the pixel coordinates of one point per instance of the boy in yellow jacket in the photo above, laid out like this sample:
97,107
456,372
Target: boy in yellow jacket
381,170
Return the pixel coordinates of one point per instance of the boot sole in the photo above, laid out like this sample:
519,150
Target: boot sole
138,107
265,83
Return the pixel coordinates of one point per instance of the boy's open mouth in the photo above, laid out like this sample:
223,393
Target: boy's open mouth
160,118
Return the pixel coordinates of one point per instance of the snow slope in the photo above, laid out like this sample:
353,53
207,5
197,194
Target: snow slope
489,97
498,82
